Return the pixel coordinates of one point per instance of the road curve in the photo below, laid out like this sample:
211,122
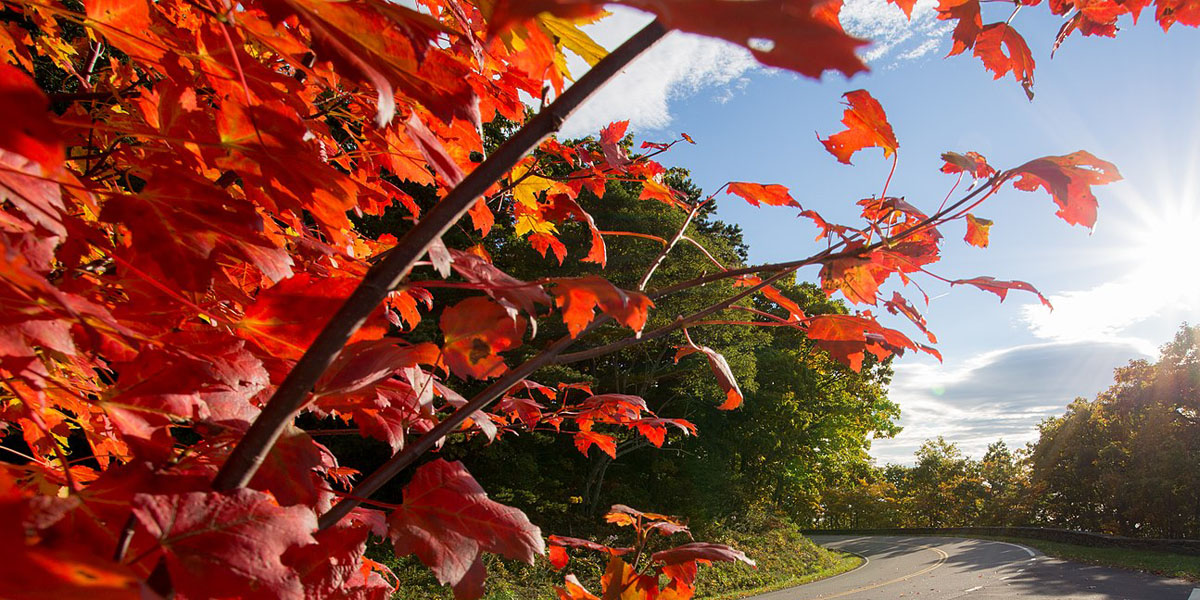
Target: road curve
941,568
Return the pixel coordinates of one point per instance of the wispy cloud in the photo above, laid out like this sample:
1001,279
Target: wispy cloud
680,66
1102,313
896,38
1002,394
1112,311
684,66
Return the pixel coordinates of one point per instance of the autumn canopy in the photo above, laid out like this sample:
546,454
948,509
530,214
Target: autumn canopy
183,274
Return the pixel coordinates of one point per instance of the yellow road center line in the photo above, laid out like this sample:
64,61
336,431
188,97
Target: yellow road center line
942,556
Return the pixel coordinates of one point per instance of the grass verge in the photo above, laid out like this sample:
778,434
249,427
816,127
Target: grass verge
842,563
1159,563
785,558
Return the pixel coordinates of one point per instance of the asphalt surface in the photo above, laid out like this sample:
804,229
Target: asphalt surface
940,568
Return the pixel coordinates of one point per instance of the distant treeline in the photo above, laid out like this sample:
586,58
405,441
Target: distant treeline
1126,463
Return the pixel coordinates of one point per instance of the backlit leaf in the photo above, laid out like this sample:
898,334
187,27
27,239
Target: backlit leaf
1069,179
971,162
1001,288
476,330
720,368
977,231
27,129
448,521
866,127
754,193
227,544
578,298
1003,50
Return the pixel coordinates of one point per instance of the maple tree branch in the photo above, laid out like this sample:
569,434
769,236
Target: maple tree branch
781,266
829,254
125,537
399,461
704,251
672,326
252,449
658,260
653,238
90,65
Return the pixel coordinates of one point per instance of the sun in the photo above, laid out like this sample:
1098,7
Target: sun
1166,253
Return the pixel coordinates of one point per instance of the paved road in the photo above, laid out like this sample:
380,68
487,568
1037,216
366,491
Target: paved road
939,568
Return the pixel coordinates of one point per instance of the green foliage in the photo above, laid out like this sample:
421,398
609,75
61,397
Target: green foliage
806,421
785,558
1126,463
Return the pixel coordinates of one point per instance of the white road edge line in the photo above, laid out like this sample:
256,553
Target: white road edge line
980,587
1030,551
1195,594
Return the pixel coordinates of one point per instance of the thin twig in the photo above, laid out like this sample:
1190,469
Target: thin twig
399,461
672,326
658,260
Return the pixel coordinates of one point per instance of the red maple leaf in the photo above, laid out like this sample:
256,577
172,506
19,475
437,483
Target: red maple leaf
906,6
847,338
585,439
756,193
574,590
866,126
1068,179
1003,50
383,44
1001,288
970,23
700,551
971,162
795,313
502,287
227,544
720,368
448,521
610,143
977,231
281,320
579,297
780,33
476,330
622,582
27,129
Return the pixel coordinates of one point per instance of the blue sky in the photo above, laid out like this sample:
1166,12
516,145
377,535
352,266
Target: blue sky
1119,291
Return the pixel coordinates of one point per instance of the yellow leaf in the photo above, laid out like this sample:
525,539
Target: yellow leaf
572,38
530,223
528,190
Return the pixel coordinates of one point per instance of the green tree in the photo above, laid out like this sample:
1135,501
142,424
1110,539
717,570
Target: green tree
1128,462
1006,499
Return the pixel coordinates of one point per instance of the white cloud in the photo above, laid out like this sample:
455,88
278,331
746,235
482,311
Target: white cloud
895,37
1109,311
677,67
1100,313
1001,394
682,66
